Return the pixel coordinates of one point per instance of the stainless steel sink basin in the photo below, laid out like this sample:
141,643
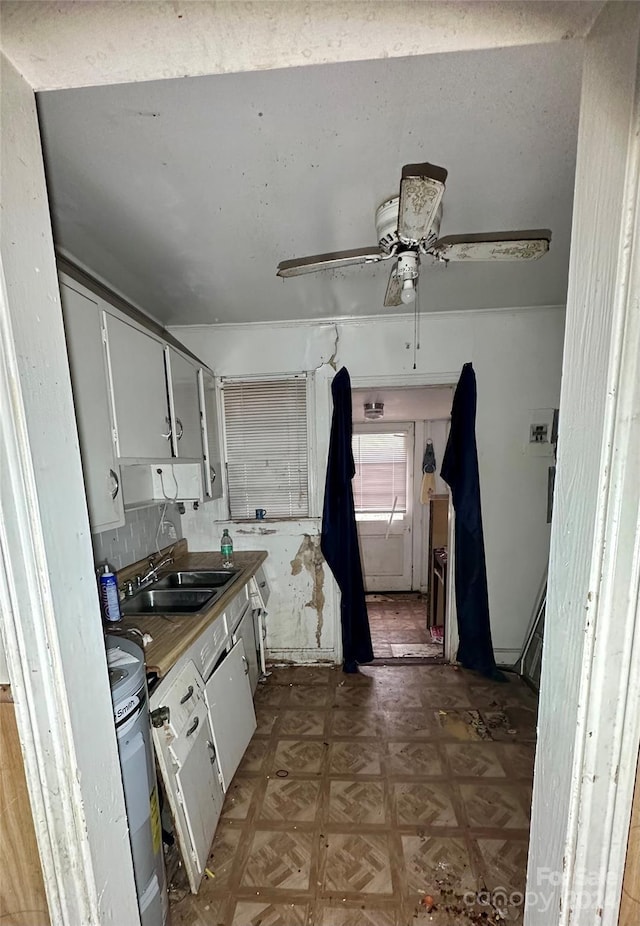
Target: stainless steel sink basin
169,601
188,579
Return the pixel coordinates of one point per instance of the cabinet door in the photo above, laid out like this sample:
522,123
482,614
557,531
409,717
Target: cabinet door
210,435
200,794
246,632
184,404
84,331
233,719
139,390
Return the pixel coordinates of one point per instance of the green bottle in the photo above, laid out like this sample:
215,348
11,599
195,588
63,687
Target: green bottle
226,549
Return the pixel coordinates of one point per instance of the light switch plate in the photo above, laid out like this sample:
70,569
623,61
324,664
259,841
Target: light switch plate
540,432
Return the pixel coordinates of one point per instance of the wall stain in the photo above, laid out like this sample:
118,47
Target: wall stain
309,557
262,531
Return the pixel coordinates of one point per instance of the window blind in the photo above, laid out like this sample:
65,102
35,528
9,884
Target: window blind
381,472
267,449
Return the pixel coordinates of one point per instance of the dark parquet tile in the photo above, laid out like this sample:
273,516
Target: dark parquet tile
396,782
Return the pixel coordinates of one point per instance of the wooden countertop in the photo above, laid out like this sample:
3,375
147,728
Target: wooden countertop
173,634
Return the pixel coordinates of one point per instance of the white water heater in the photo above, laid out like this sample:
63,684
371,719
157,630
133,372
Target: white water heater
130,698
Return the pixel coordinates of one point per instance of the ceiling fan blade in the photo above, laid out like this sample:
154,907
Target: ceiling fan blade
294,268
515,245
421,189
394,289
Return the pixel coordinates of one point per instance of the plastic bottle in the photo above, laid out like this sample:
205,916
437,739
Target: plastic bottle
226,549
109,595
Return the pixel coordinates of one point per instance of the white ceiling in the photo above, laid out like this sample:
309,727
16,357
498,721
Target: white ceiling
185,194
413,403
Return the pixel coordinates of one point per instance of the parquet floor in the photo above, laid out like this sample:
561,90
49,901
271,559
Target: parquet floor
363,798
398,623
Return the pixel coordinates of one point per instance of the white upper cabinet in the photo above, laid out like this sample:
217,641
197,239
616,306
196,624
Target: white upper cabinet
140,402
184,405
139,390
210,435
84,328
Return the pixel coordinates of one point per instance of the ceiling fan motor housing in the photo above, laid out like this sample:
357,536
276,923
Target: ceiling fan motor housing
387,223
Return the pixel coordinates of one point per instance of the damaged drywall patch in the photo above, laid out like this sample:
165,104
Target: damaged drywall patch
262,531
309,557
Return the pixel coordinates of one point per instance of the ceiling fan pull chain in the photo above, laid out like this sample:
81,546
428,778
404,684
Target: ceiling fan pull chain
416,326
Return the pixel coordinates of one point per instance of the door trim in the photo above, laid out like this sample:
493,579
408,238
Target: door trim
588,750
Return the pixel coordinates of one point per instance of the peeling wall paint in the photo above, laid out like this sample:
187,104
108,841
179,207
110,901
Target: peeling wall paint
517,356
309,557
303,611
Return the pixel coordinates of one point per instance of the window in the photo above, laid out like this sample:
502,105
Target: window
380,482
267,448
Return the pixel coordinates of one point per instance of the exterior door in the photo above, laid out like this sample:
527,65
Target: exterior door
383,497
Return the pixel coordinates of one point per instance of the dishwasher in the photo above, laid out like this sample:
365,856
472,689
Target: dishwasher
129,695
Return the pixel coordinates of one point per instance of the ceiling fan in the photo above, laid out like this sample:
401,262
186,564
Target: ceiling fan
408,227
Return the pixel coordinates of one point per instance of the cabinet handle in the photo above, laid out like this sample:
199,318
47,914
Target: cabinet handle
114,476
180,428
188,695
212,750
263,584
168,434
194,726
246,666
212,474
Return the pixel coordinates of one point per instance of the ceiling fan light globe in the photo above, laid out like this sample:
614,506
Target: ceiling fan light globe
408,293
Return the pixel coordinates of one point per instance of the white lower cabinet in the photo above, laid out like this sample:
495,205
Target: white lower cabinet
200,792
187,760
233,717
245,631
200,733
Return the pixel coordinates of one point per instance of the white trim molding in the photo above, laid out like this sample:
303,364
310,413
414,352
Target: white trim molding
26,627
50,618
589,724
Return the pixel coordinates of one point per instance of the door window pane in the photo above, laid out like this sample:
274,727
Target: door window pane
381,474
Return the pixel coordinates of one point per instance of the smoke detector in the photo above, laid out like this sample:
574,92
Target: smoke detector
373,410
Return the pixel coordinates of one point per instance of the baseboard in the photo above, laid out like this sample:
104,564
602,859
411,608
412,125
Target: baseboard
506,657
301,657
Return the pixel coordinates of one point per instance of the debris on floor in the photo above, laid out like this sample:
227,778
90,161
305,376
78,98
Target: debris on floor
398,809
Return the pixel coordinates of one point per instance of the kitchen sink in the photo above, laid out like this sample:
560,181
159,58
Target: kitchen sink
169,601
209,578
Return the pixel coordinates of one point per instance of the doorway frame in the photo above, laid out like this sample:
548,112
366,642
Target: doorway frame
588,722
416,380
603,562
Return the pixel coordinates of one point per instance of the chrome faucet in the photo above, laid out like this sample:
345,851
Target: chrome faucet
152,573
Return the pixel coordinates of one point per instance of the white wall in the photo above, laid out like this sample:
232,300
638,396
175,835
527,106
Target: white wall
517,357
50,617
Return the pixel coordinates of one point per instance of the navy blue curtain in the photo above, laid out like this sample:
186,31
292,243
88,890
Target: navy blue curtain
460,472
339,539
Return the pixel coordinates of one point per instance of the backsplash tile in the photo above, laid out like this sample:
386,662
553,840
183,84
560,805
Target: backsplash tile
137,538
